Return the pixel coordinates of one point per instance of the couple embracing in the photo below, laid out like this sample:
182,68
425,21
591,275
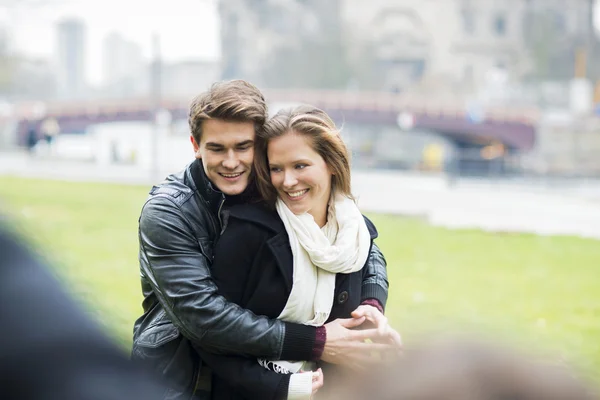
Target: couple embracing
261,278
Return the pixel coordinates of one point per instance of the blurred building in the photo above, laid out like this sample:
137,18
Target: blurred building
71,59
188,78
32,79
123,67
391,45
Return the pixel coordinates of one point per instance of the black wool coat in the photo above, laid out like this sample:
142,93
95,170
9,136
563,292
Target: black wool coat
253,267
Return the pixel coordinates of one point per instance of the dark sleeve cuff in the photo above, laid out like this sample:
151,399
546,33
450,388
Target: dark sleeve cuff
282,389
374,303
298,342
320,339
374,291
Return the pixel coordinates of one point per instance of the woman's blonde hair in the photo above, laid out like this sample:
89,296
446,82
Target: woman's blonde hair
325,140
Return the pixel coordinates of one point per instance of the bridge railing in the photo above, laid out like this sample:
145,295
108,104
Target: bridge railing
384,102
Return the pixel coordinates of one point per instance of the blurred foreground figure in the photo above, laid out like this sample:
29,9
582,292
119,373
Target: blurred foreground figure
49,348
467,369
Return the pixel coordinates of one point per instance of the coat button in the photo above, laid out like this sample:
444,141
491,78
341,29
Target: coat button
343,297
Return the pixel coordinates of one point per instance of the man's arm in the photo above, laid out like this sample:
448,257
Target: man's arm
181,278
374,292
375,284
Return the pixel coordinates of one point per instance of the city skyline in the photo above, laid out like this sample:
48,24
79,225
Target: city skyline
188,29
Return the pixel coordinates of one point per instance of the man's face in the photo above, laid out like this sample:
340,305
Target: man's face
227,151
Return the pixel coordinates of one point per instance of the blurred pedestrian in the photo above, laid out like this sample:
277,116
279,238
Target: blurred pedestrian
50,349
50,129
31,139
468,368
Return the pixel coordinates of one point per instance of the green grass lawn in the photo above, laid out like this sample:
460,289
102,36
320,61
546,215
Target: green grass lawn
539,292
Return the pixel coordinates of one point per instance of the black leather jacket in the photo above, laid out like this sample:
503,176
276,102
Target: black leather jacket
178,227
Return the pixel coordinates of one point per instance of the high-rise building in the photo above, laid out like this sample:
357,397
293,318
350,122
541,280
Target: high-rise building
70,72
123,66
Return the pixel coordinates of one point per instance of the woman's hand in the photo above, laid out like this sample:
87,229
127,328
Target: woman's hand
305,384
317,381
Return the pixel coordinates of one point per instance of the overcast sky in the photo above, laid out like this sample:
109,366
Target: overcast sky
188,29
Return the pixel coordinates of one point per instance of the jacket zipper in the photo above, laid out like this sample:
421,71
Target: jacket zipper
219,213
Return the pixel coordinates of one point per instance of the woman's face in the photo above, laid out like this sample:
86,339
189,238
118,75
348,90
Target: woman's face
300,175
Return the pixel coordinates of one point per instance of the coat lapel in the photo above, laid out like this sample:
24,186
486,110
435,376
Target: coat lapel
280,247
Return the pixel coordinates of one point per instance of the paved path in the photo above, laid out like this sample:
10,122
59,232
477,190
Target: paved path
500,206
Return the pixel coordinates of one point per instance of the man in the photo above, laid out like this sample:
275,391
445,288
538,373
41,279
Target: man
179,225
50,349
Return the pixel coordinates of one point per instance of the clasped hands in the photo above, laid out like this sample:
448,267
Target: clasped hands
362,340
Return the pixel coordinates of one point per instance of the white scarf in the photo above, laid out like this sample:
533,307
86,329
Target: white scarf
341,246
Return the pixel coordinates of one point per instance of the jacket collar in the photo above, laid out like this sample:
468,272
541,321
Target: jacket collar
260,214
267,218
204,186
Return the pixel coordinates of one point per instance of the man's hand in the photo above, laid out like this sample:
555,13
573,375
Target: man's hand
386,333
348,347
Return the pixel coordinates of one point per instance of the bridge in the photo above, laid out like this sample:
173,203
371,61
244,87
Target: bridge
512,126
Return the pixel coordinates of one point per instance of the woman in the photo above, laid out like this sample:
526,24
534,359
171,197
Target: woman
297,256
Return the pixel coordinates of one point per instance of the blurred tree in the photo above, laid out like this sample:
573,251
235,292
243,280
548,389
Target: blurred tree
593,46
6,62
364,69
552,51
7,68
310,64
313,54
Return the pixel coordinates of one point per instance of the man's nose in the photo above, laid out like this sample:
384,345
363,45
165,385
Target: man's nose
231,161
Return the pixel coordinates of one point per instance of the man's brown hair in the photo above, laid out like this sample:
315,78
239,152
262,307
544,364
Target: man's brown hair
325,139
235,100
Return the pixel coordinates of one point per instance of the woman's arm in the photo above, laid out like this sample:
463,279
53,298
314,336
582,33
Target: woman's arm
247,377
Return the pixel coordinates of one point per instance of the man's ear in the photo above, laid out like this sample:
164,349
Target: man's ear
196,147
